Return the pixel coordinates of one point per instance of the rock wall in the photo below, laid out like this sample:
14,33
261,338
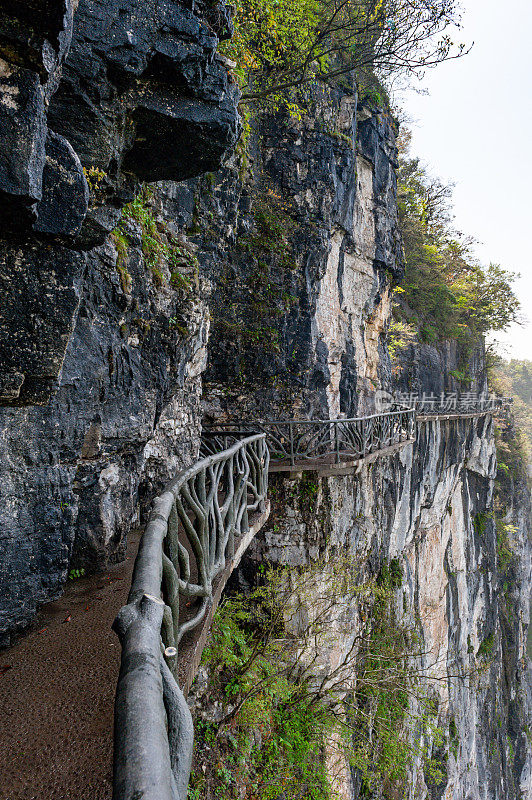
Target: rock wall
421,509
100,353
302,261
302,293
93,96
269,296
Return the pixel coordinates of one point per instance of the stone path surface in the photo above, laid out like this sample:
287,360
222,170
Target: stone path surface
57,686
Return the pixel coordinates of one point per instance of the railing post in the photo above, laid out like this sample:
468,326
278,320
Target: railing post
336,442
291,431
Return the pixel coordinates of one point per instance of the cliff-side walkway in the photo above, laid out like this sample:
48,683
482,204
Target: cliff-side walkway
57,687
57,683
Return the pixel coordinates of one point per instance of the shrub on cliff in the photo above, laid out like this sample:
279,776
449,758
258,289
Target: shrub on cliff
446,291
283,44
514,379
283,716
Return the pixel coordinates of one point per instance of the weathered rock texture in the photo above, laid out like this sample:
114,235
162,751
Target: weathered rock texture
322,231
117,91
422,508
100,356
301,299
284,314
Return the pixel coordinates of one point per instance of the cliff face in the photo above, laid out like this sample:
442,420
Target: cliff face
302,281
430,508
425,511
267,294
100,353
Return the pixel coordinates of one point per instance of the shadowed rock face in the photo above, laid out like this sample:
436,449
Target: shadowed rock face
38,303
34,40
125,83
120,89
146,91
101,372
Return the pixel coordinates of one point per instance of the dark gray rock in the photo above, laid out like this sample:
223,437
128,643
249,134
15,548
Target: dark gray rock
65,193
37,34
140,89
34,40
176,138
145,91
268,245
22,150
432,368
75,472
38,304
376,142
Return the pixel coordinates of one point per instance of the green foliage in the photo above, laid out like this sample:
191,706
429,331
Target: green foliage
308,492
269,41
485,649
75,574
251,312
160,248
400,335
121,243
273,226
280,45
513,455
480,521
505,553
273,744
391,574
460,375
453,737
514,379
96,179
447,293
278,717
381,706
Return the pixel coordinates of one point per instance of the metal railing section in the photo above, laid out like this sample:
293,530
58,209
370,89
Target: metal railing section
187,543
338,440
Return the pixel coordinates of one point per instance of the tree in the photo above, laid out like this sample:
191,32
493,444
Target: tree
279,45
289,661
449,294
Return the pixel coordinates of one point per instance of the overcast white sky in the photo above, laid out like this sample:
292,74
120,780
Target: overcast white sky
474,128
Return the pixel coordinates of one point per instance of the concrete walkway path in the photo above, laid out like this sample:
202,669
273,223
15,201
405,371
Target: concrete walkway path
57,686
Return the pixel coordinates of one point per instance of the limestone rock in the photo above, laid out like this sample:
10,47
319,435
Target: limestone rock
38,305
65,194
22,150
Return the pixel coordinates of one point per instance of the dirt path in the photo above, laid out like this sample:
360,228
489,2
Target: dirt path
57,686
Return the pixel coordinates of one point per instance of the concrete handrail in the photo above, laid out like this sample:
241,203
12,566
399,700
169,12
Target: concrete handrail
300,441
189,538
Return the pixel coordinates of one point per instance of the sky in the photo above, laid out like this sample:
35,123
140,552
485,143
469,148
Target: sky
474,129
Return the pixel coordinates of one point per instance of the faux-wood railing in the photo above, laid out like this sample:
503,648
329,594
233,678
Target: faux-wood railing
336,440
189,538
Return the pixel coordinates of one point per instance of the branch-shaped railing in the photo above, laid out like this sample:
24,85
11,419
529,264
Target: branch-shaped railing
187,543
334,441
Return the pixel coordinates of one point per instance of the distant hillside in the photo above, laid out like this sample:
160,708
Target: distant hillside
514,378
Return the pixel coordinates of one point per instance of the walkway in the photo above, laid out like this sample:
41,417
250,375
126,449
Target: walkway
341,446
57,687
57,683
327,446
